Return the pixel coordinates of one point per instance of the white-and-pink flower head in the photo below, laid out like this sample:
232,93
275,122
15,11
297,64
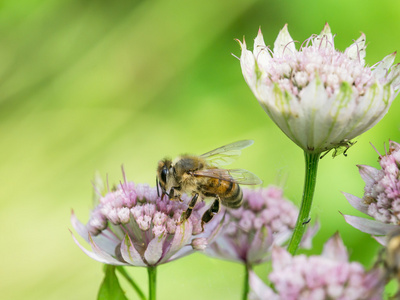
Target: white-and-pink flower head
319,97
132,225
381,198
265,219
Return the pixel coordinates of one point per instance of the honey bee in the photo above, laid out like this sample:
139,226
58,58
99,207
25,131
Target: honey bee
201,177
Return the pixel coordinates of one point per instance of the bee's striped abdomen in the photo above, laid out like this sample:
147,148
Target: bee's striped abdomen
234,198
228,192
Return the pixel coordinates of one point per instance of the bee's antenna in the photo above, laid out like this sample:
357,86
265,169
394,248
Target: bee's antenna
158,191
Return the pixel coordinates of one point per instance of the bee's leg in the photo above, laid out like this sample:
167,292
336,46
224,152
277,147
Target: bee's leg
188,212
177,196
323,155
209,214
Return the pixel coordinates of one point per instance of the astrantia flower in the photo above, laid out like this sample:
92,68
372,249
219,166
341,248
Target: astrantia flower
320,98
381,198
324,277
266,218
133,226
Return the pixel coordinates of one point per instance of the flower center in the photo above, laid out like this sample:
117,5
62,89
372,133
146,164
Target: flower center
294,70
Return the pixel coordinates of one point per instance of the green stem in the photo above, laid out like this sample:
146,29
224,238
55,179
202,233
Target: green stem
246,287
133,284
312,160
152,272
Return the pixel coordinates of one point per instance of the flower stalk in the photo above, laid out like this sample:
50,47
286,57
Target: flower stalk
152,272
125,274
311,164
246,287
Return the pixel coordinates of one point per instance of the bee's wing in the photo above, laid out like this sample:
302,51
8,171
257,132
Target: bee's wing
240,176
226,154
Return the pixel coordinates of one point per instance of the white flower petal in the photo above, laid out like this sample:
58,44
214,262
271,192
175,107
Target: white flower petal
381,240
130,254
154,250
79,227
282,237
276,104
382,68
97,253
356,51
259,43
312,119
181,238
325,38
371,109
284,44
107,243
356,202
223,249
334,249
260,246
369,174
260,52
394,76
182,253
104,255
89,253
338,116
248,65
369,226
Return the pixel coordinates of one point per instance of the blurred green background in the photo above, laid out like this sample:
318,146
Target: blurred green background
90,85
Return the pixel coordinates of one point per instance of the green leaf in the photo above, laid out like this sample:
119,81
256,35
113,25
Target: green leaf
110,288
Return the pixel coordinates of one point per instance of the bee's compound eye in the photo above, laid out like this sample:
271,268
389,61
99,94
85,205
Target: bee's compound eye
163,174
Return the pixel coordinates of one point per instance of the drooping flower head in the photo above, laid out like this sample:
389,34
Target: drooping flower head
265,219
323,277
132,225
319,97
381,198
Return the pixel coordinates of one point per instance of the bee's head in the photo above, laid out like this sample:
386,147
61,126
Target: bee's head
164,171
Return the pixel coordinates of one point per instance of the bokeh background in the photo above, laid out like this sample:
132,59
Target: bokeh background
89,85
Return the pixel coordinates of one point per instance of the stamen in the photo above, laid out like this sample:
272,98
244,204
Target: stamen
108,187
96,190
123,173
324,39
263,48
286,46
376,150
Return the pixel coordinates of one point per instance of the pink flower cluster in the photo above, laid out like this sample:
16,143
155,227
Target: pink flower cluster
328,276
381,198
265,218
132,225
140,205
